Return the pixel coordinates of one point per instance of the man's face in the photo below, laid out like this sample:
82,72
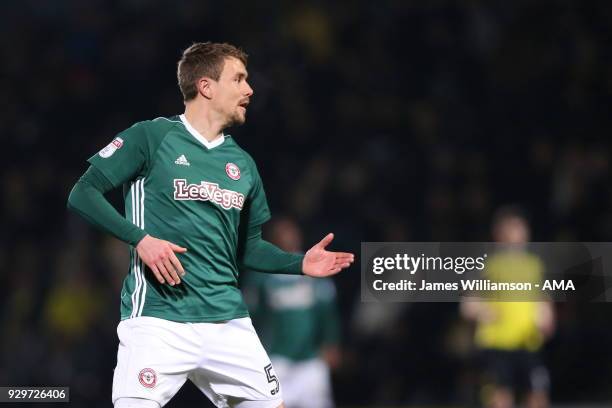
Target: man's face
287,235
512,230
232,92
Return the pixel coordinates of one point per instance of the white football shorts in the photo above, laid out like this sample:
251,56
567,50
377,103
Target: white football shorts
225,360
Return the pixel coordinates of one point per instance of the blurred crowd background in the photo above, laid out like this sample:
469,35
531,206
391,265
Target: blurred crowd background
380,121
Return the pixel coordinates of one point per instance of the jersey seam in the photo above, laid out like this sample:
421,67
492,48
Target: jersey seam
156,152
103,174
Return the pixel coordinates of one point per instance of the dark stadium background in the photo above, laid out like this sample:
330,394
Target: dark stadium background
380,121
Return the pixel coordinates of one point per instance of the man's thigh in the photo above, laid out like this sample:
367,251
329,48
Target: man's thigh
236,370
153,359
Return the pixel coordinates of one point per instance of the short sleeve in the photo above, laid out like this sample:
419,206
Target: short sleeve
124,157
259,212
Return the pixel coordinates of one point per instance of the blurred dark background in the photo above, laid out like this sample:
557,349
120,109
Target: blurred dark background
380,121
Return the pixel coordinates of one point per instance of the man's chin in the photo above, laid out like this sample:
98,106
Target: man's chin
237,120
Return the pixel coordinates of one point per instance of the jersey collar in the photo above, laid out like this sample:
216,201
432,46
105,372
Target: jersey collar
209,145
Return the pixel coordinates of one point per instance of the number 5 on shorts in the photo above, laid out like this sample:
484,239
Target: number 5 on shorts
271,379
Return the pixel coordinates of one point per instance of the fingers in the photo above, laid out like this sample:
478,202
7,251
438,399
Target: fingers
341,264
345,255
174,278
326,240
177,248
344,259
173,265
334,271
167,270
156,272
164,272
177,264
159,256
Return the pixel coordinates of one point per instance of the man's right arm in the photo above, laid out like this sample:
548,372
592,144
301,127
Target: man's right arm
124,159
87,199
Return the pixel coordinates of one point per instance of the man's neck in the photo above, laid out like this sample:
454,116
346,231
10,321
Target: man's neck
204,121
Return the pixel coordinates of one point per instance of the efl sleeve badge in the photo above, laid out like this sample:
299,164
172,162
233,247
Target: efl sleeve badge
112,147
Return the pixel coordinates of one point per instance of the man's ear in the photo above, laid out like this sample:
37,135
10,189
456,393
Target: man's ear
204,87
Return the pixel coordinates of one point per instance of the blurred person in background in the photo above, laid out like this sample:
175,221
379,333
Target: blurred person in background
298,320
510,334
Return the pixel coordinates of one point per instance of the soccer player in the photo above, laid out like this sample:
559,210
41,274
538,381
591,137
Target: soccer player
194,205
510,334
297,319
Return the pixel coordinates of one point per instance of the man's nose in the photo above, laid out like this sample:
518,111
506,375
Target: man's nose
249,90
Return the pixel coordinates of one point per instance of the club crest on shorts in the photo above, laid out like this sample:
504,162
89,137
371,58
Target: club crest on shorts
232,171
147,377
112,147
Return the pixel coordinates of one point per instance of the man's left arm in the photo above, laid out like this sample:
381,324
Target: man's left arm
260,255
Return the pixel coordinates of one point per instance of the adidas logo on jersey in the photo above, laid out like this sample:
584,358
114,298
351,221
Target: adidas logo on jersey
182,160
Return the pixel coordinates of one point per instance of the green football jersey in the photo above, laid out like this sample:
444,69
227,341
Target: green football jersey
181,188
295,315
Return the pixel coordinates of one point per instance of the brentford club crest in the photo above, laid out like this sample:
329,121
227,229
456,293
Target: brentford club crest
232,171
147,377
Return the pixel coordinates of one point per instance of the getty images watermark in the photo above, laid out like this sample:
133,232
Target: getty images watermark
485,271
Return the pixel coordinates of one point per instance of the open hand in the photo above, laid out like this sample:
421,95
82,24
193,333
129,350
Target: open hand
319,262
